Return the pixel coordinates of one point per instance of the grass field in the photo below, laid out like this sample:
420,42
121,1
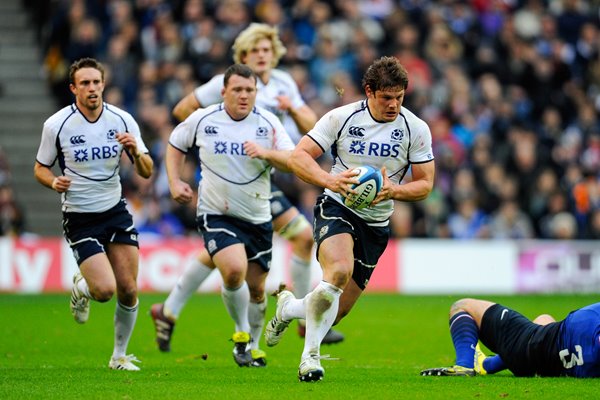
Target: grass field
44,354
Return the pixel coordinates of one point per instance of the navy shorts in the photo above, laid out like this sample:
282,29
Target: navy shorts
279,203
90,233
332,218
526,348
221,231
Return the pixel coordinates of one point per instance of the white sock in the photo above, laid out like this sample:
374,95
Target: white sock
321,309
294,309
83,287
186,286
256,318
236,302
125,318
300,271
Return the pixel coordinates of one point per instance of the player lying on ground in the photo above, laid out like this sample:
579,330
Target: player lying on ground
542,347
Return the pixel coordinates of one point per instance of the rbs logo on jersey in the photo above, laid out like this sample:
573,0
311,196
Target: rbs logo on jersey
229,148
97,153
374,149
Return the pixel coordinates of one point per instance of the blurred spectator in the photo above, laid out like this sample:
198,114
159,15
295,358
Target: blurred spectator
12,220
152,222
563,226
510,222
468,221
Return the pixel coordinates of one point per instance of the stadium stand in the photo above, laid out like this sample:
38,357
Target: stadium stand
25,102
510,89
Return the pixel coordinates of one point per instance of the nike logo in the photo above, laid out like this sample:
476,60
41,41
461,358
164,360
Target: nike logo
504,312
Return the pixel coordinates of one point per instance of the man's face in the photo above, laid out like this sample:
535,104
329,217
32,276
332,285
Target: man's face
239,96
385,104
88,88
260,56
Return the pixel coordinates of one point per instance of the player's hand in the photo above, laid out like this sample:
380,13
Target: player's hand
386,191
254,150
61,184
342,183
284,103
128,142
181,192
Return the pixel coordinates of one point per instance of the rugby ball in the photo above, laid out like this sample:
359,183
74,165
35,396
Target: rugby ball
370,183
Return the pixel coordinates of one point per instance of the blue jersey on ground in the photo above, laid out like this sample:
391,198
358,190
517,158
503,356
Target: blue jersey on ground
579,342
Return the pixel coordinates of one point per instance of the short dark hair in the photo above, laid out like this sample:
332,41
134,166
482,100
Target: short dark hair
238,69
85,63
385,73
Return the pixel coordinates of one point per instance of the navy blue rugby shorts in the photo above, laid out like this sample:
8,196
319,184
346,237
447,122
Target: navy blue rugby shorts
332,218
90,233
221,231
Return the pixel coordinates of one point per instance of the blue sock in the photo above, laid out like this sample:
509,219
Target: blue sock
464,336
493,364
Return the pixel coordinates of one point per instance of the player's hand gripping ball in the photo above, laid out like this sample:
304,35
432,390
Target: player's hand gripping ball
370,183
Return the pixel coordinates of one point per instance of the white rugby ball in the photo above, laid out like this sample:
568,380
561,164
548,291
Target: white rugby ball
370,183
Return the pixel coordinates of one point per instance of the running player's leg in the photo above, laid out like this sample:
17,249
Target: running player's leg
291,225
256,278
165,315
124,259
322,304
187,284
233,265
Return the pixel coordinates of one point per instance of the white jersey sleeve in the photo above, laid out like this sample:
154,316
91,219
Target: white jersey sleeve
210,93
183,136
47,152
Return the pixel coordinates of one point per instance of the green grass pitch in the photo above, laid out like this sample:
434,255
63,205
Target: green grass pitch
44,354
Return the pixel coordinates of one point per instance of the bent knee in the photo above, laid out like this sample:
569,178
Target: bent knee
233,277
303,243
544,319
102,294
459,305
257,295
128,294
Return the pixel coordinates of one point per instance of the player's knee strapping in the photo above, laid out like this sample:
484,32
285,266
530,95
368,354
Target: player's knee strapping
294,227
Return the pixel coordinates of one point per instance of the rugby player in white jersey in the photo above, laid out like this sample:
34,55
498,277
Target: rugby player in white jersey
379,132
238,145
87,139
259,47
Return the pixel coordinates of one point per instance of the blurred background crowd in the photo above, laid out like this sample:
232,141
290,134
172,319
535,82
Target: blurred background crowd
509,88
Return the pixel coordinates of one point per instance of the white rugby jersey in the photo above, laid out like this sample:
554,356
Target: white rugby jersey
89,154
356,139
280,84
232,183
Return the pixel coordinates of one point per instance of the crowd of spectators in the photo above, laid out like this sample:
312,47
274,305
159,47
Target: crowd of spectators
12,219
509,88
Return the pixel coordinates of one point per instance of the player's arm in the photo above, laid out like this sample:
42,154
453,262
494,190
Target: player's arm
46,177
304,117
277,158
174,161
143,162
303,164
418,189
185,107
